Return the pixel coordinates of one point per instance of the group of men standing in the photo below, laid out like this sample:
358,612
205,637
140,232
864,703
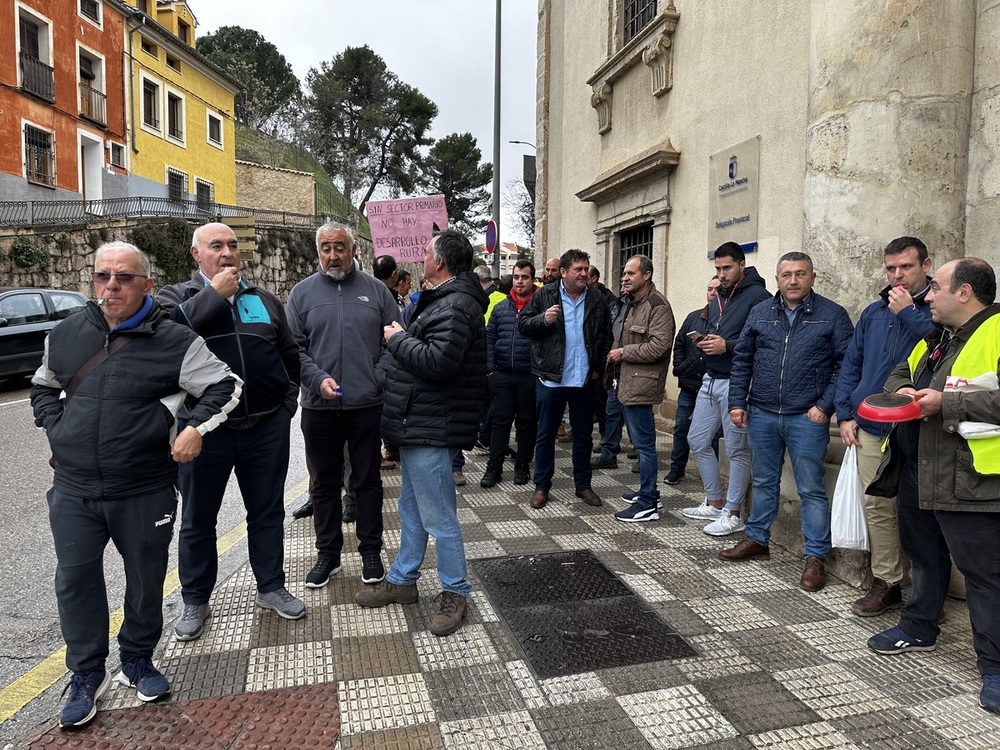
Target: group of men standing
206,376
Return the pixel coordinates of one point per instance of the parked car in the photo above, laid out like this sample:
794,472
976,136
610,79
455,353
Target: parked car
26,317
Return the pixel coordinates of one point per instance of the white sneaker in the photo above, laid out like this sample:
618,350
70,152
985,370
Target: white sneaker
703,512
725,525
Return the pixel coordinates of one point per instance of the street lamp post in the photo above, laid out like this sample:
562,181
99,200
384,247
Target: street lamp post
496,146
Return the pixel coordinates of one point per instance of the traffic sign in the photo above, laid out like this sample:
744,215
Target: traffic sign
491,236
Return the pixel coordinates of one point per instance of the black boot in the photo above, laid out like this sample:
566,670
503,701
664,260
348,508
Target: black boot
349,513
303,511
520,473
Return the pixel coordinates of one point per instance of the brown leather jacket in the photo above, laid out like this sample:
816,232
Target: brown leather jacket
647,338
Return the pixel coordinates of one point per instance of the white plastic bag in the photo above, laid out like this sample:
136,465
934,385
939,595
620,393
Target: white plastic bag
848,529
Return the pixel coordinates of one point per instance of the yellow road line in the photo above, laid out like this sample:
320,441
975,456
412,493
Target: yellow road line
50,670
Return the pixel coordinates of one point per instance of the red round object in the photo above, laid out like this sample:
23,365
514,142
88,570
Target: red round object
889,407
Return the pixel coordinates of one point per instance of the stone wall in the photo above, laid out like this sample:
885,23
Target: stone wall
64,256
274,188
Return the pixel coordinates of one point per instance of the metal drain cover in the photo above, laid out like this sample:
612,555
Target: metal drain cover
570,614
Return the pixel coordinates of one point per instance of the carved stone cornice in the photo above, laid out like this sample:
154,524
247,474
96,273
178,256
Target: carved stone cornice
653,46
653,162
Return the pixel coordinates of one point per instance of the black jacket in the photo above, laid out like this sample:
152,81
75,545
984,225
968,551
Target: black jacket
112,440
689,360
251,335
726,315
507,349
436,391
548,342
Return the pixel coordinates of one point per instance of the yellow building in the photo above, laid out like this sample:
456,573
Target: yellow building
179,110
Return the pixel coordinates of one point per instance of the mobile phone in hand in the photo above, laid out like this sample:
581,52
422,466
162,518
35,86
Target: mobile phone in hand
695,336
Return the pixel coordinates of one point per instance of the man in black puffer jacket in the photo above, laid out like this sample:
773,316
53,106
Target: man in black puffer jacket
433,406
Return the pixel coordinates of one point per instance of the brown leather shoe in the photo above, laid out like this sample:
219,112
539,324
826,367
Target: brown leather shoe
880,598
539,499
814,575
746,549
589,497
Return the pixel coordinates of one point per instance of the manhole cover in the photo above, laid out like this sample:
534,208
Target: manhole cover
570,614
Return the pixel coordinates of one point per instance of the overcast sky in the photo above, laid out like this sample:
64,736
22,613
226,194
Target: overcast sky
442,47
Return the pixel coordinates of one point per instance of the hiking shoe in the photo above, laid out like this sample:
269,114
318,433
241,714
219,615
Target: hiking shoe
673,477
520,474
989,696
895,641
880,598
192,622
303,511
725,525
603,463
84,690
452,609
319,576
140,674
349,511
385,593
703,512
636,513
458,478
489,479
282,602
633,497
372,570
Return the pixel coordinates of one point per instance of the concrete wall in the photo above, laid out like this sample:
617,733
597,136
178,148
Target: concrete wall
982,226
273,188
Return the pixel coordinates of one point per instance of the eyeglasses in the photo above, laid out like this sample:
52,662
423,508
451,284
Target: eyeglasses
103,277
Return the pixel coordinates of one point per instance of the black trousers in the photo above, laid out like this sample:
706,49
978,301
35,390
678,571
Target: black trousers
512,401
326,431
141,528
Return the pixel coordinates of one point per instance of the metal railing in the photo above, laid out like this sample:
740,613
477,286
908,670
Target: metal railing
93,104
37,78
32,213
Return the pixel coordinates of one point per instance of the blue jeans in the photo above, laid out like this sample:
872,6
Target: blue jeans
427,507
550,405
611,445
641,428
711,411
806,442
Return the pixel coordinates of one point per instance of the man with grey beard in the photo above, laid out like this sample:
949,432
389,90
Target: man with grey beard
337,316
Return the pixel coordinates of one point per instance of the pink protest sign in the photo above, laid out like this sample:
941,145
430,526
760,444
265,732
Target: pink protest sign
402,228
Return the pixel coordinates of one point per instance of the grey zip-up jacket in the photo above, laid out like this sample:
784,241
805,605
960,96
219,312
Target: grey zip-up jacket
338,327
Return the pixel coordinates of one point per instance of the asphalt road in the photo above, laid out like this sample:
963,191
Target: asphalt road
29,623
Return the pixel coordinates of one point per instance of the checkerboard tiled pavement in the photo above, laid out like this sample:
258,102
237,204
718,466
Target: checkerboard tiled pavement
776,667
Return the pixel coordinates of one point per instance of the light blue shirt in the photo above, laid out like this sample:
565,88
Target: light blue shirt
576,366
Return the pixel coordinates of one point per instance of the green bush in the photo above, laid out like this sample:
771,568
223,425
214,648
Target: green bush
26,253
168,244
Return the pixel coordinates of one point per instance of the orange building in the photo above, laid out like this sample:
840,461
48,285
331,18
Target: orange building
62,100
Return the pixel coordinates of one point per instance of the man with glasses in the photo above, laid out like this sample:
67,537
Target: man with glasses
244,326
111,382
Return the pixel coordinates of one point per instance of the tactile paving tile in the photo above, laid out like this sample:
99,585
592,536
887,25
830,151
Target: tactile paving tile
833,692
360,657
290,665
961,721
478,550
504,530
206,675
776,649
417,737
510,730
482,500
270,629
562,525
393,702
595,724
220,633
619,562
532,545
685,535
669,561
819,736
682,618
745,579
475,532
890,729
716,657
575,688
350,619
756,703
676,717
647,587
467,516
840,640
909,682
790,606
468,692
480,606
729,613
641,678
526,684
492,514
467,647
585,541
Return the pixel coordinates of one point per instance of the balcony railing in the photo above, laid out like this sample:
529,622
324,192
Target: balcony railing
93,104
37,78
33,213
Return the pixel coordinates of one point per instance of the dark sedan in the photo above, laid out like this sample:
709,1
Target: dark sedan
26,317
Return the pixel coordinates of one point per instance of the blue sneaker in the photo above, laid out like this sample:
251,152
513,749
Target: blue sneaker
636,513
84,689
895,641
140,674
989,696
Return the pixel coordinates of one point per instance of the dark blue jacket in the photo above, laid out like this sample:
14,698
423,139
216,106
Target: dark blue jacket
507,349
689,360
882,339
726,315
790,369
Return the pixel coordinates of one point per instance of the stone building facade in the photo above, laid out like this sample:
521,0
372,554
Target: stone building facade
274,188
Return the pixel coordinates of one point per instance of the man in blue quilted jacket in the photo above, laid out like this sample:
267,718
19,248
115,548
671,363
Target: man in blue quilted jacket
782,386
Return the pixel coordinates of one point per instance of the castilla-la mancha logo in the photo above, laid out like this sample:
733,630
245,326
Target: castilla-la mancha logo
732,167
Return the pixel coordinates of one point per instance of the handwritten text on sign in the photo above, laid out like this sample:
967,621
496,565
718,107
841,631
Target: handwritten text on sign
402,228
